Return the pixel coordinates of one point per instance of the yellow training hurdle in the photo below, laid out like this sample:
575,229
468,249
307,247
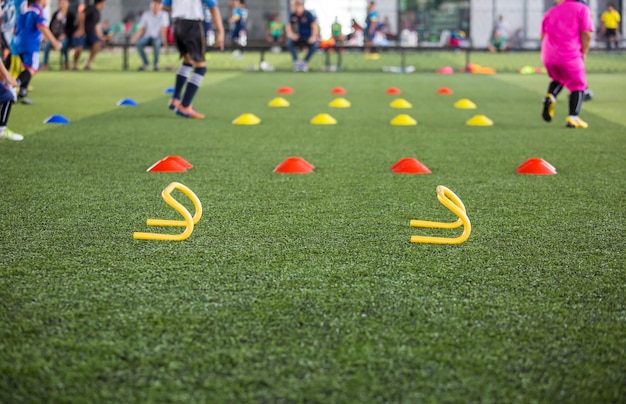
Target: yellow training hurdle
177,206
452,202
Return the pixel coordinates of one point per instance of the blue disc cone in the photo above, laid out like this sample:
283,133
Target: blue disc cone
58,119
169,90
127,102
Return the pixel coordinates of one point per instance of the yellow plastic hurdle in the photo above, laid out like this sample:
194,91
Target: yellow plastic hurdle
177,206
455,205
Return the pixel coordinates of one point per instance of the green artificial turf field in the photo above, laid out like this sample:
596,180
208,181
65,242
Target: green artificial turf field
305,288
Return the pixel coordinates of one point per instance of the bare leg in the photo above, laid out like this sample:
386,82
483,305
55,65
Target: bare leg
95,48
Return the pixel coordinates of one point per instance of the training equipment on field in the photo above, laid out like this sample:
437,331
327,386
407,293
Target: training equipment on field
169,90
400,103
409,165
323,119
247,119
464,103
294,165
127,102
57,119
445,70
455,205
179,160
177,206
479,120
168,165
536,166
338,90
285,90
403,120
393,91
339,103
279,102
445,91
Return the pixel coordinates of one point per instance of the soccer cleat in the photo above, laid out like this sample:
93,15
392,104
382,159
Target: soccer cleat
188,112
548,108
10,135
173,104
25,100
575,122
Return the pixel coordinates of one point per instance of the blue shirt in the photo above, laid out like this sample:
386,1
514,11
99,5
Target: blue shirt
240,15
301,24
189,9
372,19
27,33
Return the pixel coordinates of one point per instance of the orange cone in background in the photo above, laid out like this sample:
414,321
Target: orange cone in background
285,90
180,161
409,165
294,165
536,166
166,166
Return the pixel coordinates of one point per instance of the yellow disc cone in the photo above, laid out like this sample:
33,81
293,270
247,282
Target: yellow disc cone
323,119
279,102
400,103
403,120
247,119
480,120
464,103
339,103
372,56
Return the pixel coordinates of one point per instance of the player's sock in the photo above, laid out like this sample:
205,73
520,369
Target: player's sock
576,102
555,88
192,85
181,79
5,111
23,79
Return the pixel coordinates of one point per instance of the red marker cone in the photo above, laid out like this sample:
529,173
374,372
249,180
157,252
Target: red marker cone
536,166
180,161
166,166
294,165
393,90
285,90
444,91
409,165
338,90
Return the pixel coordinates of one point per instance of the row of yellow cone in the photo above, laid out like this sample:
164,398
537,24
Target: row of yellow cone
400,120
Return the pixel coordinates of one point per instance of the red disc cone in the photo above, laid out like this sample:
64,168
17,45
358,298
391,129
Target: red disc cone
294,165
166,166
409,165
536,166
285,90
180,161
338,90
393,90
444,91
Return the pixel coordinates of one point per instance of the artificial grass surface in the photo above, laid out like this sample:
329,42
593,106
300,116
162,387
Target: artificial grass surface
305,287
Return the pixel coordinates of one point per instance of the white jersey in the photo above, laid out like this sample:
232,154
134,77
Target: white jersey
189,9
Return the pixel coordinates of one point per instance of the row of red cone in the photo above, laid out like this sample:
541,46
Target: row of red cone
410,165
298,165
341,90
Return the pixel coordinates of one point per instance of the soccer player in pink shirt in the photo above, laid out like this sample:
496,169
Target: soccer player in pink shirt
566,32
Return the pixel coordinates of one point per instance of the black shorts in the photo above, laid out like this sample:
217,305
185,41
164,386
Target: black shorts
610,32
189,39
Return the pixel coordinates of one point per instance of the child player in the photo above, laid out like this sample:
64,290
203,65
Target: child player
6,101
563,51
238,21
188,16
28,31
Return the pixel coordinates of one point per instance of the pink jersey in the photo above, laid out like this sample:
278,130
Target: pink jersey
561,28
